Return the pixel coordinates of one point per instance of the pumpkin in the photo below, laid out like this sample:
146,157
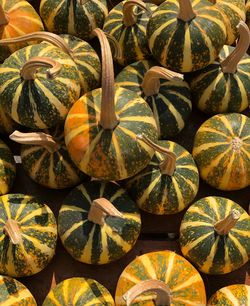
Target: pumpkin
98,222
127,23
224,86
77,18
168,275
7,125
38,99
7,168
169,183
186,35
46,160
238,294
79,291
12,292
166,93
214,235
222,152
101,127
16,18
28,235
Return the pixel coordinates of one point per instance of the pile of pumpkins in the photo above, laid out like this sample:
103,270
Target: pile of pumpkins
110,139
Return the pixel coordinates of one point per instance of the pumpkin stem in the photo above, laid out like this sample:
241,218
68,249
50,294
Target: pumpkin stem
229,65
151,81
116,46
4,19
12,229
167,166
37,138
163,297
223,227
29,69
100,208
186,12
129,16
108,117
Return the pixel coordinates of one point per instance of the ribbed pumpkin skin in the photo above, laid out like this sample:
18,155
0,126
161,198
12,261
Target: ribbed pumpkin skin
14,293
181,46
105,158
7,125
171,107
200,244
53,170
7,168
222,152
231,295
161,194
70,17
79,291
88,242
132,39
43,102
39,235
23,19
185,283
216,92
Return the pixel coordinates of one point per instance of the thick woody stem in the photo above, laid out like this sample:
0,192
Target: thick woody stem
167,166
100,209
151,80
186,12
229,65
223,227
116,46
3,17
37,138
12,229
108,117
163,297
129,16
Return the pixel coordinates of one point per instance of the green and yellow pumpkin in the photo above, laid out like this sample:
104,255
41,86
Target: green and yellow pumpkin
16,18
166,93
78,18
7,168
7,125
28,234
170,181
232,295
214,235
127,23
33,95
186,35
14,293
160,278
224,86
222,151
101,127
79,291
45,159
98,222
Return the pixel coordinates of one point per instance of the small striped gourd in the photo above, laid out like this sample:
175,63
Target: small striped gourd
98,222
14,293
7,168
224,86
174,280
232,295
214,235
166,93
41,98
78,17
46,160
169,183
127,23
222,151
186,35
101,127
28,234
16,18
79,291
7,125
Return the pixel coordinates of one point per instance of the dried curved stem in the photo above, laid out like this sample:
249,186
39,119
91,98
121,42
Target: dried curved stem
4,19
223,227
12,229
129,17
116,46
186,12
